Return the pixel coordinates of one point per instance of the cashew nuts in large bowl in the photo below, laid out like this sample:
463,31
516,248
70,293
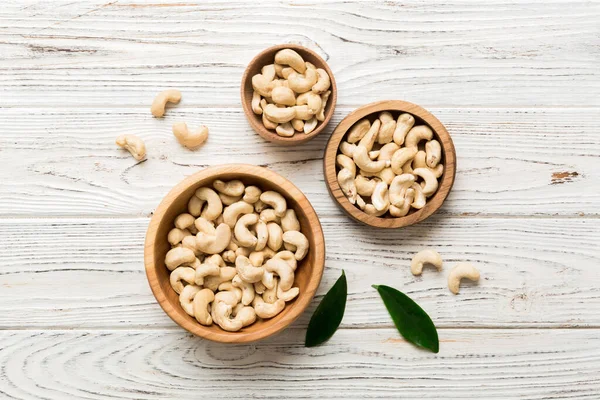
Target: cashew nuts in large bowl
234,253
390,164
288,94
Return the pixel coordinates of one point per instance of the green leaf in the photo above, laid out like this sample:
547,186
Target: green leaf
412,322
328,315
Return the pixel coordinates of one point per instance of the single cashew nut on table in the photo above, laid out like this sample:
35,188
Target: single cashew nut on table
179,256
200,306
161,100
298,240
190,139
133,145
461,271
186,298
427,256
179,274
266,310
213,244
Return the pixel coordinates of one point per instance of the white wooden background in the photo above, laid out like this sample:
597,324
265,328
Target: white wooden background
517,84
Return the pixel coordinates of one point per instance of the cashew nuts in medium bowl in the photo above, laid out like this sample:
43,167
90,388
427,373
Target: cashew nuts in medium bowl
173,227
390,164
296,96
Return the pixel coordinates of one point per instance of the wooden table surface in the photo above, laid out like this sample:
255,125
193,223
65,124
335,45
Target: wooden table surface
517,84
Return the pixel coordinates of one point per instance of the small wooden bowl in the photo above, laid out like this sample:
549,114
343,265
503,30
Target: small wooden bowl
396,107
266,57
308,273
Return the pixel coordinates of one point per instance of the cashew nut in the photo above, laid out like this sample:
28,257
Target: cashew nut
344,161
229,256
431,182
275,240
298,240
385,116
380,198
387,151
247,289
267,123
195,206
419,160
228,200
262,235
312,100
213,244
403,209
387,175
297,124
404,124
181,274
259,288
242,234
461,271
270,294
184,221
262,85
256,108
186,298
346,181
229,294
284,96
438,170
200,306
427,256
275,200
161,100
215,259
191,140
371,210
310,125
362,161
369,139
303,113
268,71
401,157
358,131
133,145
248,272
266,310
232,188
364,185
204,225
279,115
285,130
259,206
433,150
398,188
189,242
416,134
291,58
269,215
246,315
289,222
288,295
420,199
323,82
225,274
221,313
176,235
302,82
214,206
347,149
374,154
288,257
233,212
179,256
386,132
251,194
278,70
268,280
324,99
243,251
204,270
361,203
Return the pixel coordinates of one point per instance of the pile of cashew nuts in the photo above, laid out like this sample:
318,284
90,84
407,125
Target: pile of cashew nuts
389,166
462,270
234,254
190,139
296,100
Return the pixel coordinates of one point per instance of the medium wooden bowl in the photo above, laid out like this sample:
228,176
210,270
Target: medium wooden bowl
268,57
396,107
308,273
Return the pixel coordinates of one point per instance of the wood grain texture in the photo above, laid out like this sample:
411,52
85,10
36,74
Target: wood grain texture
307,275
266,57
354,364
63,162
89,273
435,53
371,111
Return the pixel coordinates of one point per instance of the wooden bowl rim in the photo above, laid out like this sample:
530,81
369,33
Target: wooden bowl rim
301,302
258,127
433,203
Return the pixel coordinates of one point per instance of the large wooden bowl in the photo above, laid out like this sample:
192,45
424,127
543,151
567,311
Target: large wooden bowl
268,57
371,111
308,273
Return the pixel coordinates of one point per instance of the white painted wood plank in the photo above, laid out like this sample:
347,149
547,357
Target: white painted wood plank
64,162
88,273
436,53
354,364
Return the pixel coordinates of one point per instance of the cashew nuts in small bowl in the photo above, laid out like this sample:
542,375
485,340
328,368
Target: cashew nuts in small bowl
390,164
234,253
288,94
